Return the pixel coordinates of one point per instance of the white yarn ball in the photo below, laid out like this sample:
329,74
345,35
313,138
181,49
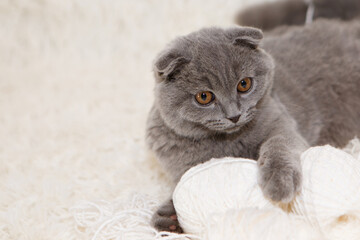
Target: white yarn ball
331,185
214,187
331,191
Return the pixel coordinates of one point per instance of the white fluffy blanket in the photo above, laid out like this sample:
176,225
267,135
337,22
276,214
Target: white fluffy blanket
75,88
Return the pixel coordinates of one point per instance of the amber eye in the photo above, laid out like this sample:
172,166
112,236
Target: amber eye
204,97
244,85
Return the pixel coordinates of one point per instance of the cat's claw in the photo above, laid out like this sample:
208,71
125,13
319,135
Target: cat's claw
165,219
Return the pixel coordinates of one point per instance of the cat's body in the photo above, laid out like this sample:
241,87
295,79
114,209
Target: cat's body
317,78
270,15
310,97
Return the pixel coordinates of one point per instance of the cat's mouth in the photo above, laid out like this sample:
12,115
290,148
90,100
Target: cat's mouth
238,126
233,129
224,127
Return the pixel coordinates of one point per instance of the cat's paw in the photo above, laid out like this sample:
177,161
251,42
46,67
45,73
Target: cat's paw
279,180
165,219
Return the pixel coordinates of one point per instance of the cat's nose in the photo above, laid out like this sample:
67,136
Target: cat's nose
234,119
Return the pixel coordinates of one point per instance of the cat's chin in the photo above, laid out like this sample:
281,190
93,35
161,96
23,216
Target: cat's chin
231,129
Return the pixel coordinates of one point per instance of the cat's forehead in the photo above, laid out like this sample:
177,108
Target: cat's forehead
222,61
219,66
217,51
219,55
210,75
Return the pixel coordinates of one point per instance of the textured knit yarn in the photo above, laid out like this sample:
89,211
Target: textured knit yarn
331,185
214,187
213,198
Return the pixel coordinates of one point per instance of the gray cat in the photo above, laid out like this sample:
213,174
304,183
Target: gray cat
293,12
222,92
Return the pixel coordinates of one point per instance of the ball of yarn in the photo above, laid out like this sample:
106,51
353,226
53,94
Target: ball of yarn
214,187
331,185
330,192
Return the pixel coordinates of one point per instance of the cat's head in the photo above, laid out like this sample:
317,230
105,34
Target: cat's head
212,81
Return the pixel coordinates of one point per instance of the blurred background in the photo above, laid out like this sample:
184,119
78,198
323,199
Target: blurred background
75,88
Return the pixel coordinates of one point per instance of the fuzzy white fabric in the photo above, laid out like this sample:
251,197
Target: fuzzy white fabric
75,88
222,198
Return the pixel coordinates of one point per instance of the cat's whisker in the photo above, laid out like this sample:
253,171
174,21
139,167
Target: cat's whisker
218,124
212,121
218,127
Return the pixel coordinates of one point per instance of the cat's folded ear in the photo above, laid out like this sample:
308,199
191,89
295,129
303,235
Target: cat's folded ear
245,36
169,62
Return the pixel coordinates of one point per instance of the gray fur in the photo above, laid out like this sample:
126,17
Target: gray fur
310,96
293,12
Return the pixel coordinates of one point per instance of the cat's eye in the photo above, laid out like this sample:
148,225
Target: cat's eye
244,85
204,97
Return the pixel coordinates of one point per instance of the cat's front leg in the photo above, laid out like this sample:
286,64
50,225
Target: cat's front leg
280,175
